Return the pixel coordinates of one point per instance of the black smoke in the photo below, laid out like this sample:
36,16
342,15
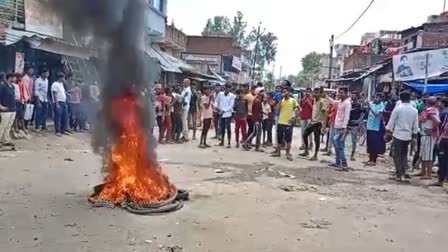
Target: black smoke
118,31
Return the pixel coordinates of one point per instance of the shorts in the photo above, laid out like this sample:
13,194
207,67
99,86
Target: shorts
20,111
284,133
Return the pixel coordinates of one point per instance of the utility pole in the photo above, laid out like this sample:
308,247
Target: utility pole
425,87
256,51
331,61
280,75
444,5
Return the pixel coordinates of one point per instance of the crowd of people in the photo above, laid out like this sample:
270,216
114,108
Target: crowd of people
26,103
413,126
262,119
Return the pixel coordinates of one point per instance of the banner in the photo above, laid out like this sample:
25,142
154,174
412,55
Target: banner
41,19
412,66
20,62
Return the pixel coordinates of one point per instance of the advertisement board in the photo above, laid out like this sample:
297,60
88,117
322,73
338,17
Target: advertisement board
412,66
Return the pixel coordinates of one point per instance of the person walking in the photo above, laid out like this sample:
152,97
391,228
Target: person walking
267,120
28,84
186,101
430,121
194,108
341,129
356,117
306,113
403,127
41,98
285,127
240,110
257,117
207,116
176,116
375,130
250,98
225,103
7,110
59,99
318,120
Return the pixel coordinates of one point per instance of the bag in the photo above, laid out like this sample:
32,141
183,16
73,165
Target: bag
29,110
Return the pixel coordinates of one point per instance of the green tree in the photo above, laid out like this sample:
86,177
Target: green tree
269,80
310,69
265,50
218,26
238,30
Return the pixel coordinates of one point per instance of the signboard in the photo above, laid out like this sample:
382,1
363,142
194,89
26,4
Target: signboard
202,59
40,19
20,62
237,64
412,66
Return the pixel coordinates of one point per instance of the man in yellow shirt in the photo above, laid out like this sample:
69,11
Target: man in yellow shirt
287,108
250,98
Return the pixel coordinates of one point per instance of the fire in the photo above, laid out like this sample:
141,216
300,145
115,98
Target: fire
133,177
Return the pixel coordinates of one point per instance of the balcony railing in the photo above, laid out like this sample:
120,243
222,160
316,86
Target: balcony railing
13,12
176,37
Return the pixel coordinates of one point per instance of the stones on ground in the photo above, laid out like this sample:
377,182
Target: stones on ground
286,175
219,171
69,160
298,188
316,224
379,189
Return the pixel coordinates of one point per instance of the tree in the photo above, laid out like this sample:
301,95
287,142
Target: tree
219,26
310,70
238,30
264,47
269,80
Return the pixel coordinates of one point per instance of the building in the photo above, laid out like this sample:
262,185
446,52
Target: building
218,56
430,35
324,71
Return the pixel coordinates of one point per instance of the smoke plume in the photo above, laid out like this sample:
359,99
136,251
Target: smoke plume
118,31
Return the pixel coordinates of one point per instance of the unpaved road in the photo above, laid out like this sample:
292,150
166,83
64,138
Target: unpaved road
43,205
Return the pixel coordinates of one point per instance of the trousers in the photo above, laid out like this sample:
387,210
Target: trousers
6,122
400,155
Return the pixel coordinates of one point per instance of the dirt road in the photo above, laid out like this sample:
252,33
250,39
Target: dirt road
241,201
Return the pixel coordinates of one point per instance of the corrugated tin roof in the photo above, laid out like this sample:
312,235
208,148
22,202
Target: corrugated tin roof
10,36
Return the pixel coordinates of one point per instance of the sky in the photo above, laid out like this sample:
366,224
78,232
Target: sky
303,26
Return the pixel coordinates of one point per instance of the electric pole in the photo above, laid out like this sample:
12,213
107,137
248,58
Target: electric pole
331,61
256,52
444,5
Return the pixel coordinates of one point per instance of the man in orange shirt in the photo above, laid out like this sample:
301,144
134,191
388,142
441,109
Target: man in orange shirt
28,86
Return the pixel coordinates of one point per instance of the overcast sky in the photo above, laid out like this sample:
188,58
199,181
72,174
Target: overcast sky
303,26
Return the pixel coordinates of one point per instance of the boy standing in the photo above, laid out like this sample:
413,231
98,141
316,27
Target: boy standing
207,116
257,117
240,110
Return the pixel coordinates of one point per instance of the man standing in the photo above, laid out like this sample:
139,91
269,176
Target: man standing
318,120
250,98
443,144
194,108
59,99
403,126
41,97
430,121
28,84
7,110
375,130
287,108
240,110
356,117
341,128
225,103
306,105
207,116
186,100
257,117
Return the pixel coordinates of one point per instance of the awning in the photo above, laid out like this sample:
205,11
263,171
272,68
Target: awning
10,36
165,63
60,47
218,77
371,70
431,88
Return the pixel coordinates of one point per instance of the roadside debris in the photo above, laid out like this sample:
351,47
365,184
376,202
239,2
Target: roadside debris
298,188
69,160
316,224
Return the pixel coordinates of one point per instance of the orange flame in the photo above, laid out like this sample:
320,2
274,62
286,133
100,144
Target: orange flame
133,177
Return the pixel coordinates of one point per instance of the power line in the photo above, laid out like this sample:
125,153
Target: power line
357,20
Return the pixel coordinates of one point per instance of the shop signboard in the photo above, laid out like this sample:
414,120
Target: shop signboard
41,19
207,59
414,66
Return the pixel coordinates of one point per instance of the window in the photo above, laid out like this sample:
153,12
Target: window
158,5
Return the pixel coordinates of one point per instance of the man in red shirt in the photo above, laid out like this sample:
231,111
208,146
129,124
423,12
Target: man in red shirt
257,118
305,115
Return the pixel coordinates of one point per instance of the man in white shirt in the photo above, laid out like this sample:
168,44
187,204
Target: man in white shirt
186,96
225,103
59,99
403,126
41,94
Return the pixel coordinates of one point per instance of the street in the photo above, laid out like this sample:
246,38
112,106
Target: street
240,201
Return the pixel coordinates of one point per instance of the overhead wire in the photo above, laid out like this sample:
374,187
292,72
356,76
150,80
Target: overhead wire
357,20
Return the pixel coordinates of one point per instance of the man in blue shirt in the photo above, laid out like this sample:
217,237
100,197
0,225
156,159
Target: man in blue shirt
375,129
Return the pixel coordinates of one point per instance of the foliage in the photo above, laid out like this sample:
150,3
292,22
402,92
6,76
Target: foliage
310,69
263,52
219,26
269,80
